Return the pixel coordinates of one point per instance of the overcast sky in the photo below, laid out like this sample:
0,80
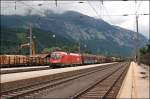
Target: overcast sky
110,11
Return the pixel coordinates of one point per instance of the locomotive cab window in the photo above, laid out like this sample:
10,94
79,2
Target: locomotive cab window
56,56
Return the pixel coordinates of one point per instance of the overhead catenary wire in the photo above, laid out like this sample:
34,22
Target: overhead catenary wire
105,9
139,6
42,4
39,11
90,5
42,46
93,9
31,6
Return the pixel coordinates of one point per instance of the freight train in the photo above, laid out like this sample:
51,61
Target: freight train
62,59
8,61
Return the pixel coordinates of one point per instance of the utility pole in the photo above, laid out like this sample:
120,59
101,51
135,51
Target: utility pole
79,50
137,41
30,39
56,3
149,38
33,46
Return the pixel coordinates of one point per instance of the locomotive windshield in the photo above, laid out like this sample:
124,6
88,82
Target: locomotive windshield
56,56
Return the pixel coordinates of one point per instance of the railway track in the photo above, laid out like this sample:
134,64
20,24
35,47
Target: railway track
105,88
33,90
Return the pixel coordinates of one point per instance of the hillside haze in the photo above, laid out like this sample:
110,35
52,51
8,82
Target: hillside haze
94,34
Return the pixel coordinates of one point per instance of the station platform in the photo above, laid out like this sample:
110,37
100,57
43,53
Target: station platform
22,69
18,68
136,83
33,74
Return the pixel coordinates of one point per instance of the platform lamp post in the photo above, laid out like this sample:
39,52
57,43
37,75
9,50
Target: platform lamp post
149,38
79,49
30,38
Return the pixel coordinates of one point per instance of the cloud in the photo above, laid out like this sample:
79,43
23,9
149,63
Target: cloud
144,25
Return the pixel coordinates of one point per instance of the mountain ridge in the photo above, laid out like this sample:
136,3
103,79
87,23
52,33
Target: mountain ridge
94,34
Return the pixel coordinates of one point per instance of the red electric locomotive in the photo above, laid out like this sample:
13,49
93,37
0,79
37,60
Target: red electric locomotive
60,59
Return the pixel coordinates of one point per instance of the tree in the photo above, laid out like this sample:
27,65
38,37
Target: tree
148,48
88,51
145,50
